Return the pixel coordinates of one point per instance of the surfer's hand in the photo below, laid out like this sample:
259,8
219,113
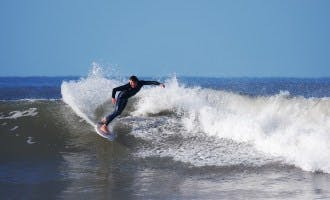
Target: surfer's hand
162,85
113,101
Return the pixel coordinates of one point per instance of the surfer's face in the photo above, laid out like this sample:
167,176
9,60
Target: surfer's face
132,83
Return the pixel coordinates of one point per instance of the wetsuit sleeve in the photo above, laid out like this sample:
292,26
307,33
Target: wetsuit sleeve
150,82
120,88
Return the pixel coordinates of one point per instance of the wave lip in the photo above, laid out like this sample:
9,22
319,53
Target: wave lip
84,96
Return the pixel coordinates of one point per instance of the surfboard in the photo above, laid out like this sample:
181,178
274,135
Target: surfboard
109,135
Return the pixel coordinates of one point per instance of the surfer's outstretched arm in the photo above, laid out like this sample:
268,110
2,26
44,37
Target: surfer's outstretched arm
152,83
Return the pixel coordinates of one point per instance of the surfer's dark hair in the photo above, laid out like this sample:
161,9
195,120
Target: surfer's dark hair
134,79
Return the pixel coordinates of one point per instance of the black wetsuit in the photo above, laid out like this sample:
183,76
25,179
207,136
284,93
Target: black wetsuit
126,92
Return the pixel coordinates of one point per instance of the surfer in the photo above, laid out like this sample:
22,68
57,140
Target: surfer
126,91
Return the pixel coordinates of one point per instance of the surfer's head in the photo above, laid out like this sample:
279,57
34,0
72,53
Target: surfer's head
133,81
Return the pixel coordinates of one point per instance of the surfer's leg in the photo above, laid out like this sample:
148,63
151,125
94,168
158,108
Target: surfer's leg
120,106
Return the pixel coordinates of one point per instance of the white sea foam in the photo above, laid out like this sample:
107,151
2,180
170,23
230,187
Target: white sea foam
30,140
294,128
18,114
14,128
169,139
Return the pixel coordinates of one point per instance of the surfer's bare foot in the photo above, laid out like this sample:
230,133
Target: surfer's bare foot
104,129
104,120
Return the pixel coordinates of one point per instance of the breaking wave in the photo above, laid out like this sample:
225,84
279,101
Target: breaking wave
208,127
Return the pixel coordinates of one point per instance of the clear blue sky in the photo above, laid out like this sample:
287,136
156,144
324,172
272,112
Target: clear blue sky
254,38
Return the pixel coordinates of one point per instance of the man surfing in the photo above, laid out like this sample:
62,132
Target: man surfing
126,91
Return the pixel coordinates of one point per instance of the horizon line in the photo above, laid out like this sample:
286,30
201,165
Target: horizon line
165,76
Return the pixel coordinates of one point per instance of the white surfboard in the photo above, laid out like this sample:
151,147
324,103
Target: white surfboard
111,135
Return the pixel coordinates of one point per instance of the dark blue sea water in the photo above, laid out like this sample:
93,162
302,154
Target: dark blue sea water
15,88
198,138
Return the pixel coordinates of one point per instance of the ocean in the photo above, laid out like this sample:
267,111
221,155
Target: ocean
198,138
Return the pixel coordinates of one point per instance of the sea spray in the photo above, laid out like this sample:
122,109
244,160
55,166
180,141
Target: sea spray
86,94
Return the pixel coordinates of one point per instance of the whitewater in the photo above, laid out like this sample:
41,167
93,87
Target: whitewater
213,127
197,138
